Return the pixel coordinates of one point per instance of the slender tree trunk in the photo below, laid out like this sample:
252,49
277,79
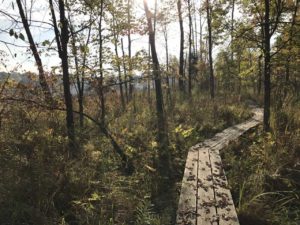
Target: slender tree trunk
101,91
250,66
129,50
149,77
206,58
62,40
239,80
167,65
42,79
185,64
190,49
259,81
232,28
195,31
201,42
116,38
125,71
164,156
154,17
65,67
291,33
267,69
120,80
81,84
80,75
78,80
181,57
210,47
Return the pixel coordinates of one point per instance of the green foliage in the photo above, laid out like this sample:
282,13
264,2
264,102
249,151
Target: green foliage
263,171
145,214
40,185
16,35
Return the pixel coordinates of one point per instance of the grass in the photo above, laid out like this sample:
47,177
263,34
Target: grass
263,171
38,186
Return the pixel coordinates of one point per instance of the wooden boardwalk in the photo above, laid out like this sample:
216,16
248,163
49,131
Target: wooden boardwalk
205,198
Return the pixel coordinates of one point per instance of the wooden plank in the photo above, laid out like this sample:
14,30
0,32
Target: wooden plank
206,209
223,138
205,198
186,213
226,212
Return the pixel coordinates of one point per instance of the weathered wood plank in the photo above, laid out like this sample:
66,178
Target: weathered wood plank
206,210
223,138
226,212
187,209
205,198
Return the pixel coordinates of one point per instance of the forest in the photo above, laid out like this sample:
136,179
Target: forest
102,101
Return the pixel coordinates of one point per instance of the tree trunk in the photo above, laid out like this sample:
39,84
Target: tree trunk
78,80
149,79
129,50
124,71
116,38
81,89
267,69
291,33
190,49
181,59
200,38
42,79
231,29
80,74
210,47
259,81
195,32
167,65
163,140
62,45
101,92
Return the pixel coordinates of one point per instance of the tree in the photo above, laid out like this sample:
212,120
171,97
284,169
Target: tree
124,70
181,53
267,69
129,18
190,48
101,80
80,70
210,47
162,135
163,19
116,30
267,19
62,39
36,55
232,26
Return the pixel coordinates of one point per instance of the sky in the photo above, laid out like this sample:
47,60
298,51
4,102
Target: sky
23,61
17,58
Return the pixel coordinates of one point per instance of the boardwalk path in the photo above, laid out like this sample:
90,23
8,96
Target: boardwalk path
205,198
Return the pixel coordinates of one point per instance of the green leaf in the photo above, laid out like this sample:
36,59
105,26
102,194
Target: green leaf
16,36
84,49
94,197
46,42
11,32
21,36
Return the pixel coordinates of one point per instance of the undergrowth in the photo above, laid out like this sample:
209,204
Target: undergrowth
263,170
39,186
